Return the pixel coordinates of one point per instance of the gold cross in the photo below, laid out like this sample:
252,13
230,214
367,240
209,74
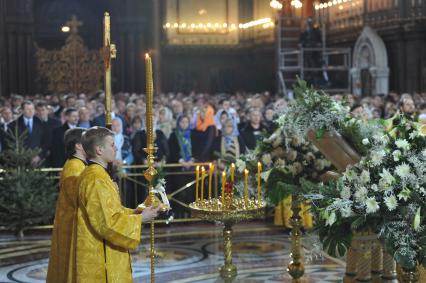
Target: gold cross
74,23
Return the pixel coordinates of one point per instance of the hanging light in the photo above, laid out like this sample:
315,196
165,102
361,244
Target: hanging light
275,4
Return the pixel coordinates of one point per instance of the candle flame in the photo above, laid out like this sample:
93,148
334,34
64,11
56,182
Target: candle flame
246,171
223,174
146,55
197,168
232,165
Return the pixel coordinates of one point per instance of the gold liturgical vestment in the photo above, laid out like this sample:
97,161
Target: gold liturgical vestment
62,248
105,230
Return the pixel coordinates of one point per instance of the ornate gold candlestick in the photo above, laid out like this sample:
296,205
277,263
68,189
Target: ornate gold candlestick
232,211
296,267
150,149
109,52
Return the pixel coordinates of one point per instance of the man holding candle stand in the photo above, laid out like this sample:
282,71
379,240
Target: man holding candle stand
105,230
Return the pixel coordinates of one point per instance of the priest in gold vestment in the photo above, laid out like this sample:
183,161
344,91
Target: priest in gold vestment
105,229
61,251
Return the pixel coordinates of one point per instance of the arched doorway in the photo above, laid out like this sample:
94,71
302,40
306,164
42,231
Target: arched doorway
370,72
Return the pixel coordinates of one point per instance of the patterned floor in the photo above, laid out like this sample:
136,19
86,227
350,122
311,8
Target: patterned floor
189,253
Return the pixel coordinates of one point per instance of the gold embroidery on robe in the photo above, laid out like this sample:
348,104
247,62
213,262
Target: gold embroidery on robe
105,230
62,250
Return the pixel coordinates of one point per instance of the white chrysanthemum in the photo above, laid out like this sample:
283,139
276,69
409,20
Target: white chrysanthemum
265,175
424,152
413,135
291,155
374,187
345,193
377,157
396,155
404,194
241,165
279,162
319,164
361,194
403,144
266,159
346,211
402,170
365,141
309,156
386,178
391,202
331,219
372,205
365,177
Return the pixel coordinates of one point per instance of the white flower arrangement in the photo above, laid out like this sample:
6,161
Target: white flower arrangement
388,186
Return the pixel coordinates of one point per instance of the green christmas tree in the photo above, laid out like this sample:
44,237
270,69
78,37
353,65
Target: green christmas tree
27,194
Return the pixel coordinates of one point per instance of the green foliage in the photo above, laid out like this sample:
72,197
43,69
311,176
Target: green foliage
27,195
336,239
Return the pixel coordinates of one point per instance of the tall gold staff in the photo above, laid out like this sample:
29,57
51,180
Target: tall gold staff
109,52
150,149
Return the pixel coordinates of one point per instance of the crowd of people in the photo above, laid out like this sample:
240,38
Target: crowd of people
189,128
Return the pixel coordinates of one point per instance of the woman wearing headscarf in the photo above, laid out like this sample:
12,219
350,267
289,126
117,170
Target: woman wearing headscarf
165,121
180,144
228,146
204,134
122,143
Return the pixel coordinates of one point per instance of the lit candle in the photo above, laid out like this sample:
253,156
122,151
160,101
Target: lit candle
246,172
197,177
223,187
203,175
259,168
149,98
232,172
211,171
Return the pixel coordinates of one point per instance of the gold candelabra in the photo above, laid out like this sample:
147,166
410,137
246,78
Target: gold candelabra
296,268
227,210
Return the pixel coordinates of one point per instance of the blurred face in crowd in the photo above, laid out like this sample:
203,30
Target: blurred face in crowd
7,114
70,101
130,110
72,118
408,106
177,107
226,104
377,101
28,111
84,114
255,117
269,114
184,123
223,117
358,112
188,105
280,105
350,99
116,126
121,106
42,113
228,128
137,124
390,109
100,109
162,115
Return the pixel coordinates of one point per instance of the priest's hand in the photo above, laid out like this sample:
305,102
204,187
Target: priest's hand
150,213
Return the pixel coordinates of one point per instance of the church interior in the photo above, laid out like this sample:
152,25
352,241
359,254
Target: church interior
213,141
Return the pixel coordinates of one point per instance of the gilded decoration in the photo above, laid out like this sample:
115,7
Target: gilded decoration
73,68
